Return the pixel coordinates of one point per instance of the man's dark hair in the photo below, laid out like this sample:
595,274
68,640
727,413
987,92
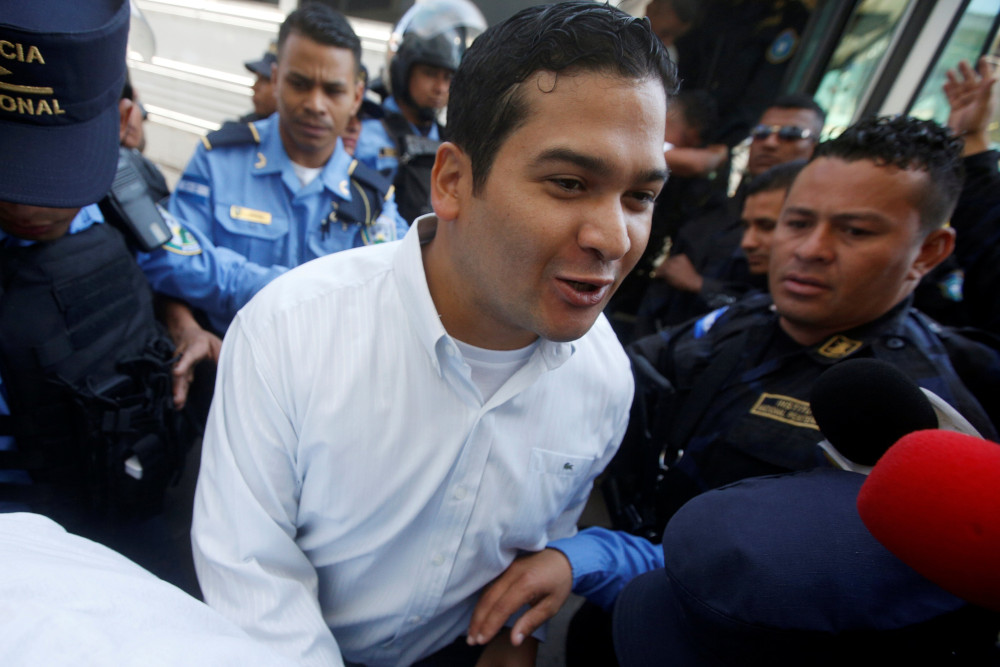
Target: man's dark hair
907,143
323,24
486,103
778,177
800,101
699,110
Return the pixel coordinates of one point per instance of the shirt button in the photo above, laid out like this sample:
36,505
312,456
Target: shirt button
415,619
437,560
895,343
460,493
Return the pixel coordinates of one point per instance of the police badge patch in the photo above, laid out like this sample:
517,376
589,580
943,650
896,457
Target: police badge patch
182,242
783,46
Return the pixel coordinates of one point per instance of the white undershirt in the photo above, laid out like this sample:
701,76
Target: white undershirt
306,174
491,368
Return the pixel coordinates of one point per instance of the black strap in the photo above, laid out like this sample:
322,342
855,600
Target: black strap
706,387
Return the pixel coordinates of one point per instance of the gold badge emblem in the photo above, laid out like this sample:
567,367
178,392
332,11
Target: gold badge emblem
839,347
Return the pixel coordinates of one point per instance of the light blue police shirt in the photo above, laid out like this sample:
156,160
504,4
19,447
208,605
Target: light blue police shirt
248,198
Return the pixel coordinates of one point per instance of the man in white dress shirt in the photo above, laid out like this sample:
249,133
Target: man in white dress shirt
393,425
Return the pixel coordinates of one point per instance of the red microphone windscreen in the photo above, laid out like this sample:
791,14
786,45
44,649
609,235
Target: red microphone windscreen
933,500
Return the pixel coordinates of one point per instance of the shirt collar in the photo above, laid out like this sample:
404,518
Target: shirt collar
412,284
274,159
846,343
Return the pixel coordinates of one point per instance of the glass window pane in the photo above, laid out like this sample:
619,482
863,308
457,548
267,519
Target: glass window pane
866,39
973,33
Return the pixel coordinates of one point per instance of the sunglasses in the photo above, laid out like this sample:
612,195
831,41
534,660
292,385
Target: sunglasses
784,132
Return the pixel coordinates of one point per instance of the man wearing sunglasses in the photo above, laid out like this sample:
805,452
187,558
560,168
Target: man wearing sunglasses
788,130
706,268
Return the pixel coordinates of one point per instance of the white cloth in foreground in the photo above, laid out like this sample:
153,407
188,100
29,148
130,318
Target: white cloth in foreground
65,600
356,493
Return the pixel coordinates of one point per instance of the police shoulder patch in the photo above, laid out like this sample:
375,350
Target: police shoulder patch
181,242
783,46
702,326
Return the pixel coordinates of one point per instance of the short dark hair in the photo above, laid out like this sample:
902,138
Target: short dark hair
778,177
323,24
486,103
905,142
800,101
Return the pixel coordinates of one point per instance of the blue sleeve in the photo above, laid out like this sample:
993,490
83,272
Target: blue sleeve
217,280
603,561
191,200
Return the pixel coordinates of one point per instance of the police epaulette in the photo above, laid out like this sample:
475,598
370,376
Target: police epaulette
231,133
370,177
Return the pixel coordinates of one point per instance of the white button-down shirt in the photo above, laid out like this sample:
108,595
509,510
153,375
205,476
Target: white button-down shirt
65,600
356,493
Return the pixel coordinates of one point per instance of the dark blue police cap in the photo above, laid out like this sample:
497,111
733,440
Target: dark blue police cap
262,67
780,571
62,69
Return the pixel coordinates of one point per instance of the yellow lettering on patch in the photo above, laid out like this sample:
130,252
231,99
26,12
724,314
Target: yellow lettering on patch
33,55
30,107
250,215
15,51
784,409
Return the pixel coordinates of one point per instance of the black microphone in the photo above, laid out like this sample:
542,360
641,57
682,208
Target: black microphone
863,406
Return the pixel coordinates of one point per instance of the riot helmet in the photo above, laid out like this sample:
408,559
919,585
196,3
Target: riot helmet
431,32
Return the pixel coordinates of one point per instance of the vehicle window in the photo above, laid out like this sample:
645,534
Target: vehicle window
865,42
970,38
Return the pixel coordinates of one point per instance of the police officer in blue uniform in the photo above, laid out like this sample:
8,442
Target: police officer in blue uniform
90,383
283,190
425,49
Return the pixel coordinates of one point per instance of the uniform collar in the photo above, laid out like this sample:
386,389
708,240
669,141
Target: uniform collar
272,159
847,343
392,105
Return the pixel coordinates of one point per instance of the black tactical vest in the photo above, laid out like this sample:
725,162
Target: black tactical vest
86,371
416,156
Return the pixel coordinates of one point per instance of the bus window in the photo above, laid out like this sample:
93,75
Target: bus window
865,42
971,37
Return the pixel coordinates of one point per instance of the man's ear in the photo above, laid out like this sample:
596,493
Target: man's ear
935,249
451,181
126,108
359,95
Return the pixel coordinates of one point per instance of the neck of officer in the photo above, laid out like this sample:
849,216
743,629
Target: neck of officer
310,159
412,114
808,334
